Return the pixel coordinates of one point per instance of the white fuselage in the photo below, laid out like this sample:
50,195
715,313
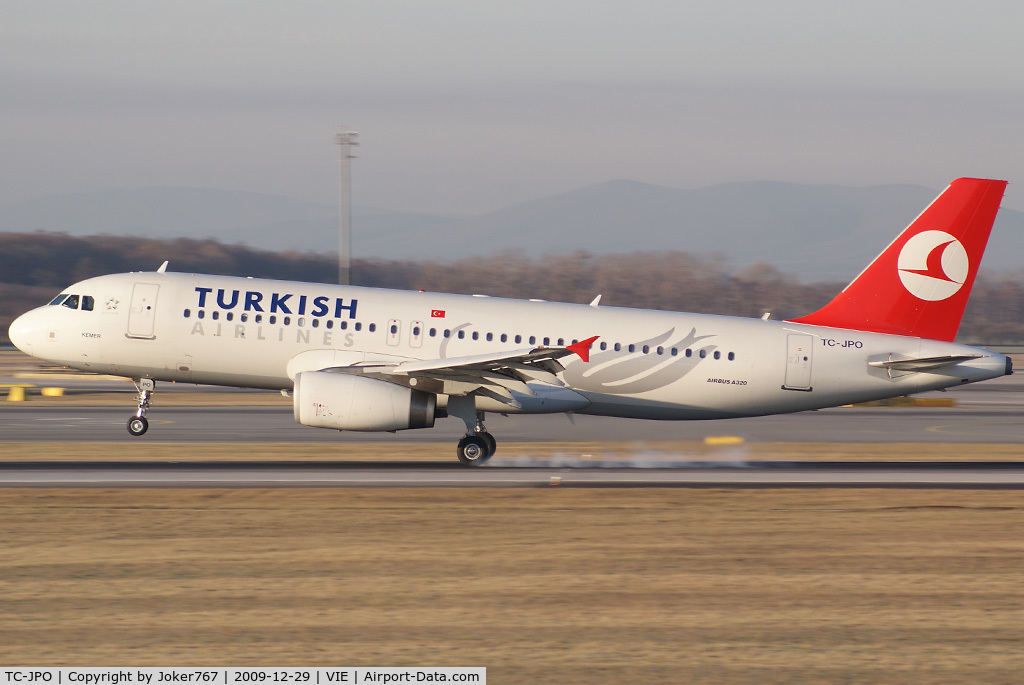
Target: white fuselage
645,364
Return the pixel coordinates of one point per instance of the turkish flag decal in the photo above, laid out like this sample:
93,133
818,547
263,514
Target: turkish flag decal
437,313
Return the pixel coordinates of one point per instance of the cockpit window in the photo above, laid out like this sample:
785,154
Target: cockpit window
88,302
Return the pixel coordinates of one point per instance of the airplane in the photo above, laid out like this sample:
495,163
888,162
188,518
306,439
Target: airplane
370,359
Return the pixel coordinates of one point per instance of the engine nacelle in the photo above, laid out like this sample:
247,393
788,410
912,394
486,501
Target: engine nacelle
354,403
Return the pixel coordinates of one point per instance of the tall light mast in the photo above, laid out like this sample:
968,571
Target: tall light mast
346,140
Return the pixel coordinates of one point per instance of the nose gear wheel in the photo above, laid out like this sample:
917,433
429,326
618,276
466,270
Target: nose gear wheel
137,425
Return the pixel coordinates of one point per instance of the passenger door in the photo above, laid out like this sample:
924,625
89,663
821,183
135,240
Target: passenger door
142,313
798,362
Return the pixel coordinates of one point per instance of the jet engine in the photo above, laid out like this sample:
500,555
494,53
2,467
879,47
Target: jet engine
355,403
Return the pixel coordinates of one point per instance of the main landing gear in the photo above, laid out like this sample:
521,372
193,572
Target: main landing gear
139,424
478,445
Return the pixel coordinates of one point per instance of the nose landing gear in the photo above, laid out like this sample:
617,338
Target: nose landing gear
139,424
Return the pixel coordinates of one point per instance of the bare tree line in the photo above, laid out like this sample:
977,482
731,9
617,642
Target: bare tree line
34,267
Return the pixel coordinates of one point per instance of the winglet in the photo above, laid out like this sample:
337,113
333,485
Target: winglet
582,348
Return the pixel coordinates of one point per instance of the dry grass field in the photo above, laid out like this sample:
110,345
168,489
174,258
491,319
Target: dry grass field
549,585
546,585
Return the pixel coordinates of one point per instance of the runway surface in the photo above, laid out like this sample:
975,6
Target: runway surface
966,423
961,475
989,412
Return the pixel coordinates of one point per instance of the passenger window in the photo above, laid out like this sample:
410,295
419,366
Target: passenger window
490,337
618,347
71,302
632,348
215,315
547,341
732,356
718,355
533,340
703,353
330,323
476,336
604,346
188,313
359,326
372,327
88,303
519,339
462,334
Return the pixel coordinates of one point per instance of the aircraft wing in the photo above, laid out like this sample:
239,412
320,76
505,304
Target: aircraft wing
544,358
501,372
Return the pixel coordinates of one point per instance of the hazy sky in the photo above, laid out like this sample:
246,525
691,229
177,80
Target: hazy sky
471,106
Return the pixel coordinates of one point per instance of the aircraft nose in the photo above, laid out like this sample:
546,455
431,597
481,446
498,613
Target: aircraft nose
22,332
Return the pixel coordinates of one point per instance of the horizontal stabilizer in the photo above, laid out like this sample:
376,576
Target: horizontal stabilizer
922,363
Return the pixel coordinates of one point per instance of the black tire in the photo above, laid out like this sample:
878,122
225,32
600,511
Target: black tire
138,425
492,444
472,450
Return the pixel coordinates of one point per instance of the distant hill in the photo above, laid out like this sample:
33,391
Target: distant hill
814,232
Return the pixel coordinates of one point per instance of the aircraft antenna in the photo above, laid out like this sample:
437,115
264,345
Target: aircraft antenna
345,138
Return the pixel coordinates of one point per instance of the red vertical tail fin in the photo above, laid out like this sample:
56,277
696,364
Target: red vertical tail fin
919,285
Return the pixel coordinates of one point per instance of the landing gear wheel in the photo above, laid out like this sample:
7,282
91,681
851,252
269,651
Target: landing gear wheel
492,444
473,450
137,425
